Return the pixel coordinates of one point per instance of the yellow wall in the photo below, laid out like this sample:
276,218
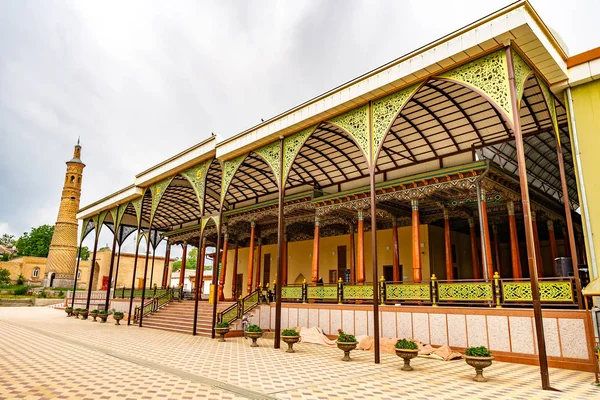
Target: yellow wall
586,100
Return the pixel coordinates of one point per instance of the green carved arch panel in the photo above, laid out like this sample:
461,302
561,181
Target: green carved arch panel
142,235
117,215
99,221
522,71
384,112
356,123
271,153
85,228
549,97
206,220
137,206
291,147
157,190
230,167
196,176
488,75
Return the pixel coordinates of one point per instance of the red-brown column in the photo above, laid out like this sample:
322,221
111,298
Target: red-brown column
165,280
448,247
497,248
474,254
251,258
234,271
315,255
352,254
566,242
552,238
183,260
360,267
258,264
284,272
223,274
486,232
416,241
536,243
514,241
396,260
200,277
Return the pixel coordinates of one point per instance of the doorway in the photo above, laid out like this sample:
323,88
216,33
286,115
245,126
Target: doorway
266,269
51,282
341,263
238,286
105,282
388,273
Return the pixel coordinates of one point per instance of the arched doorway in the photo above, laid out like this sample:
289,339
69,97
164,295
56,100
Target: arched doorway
51,276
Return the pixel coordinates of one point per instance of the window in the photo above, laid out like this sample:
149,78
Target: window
36,272
72,179
78,274
79,180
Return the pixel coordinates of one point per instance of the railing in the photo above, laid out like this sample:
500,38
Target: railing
497,291
155,303
125,293
239,308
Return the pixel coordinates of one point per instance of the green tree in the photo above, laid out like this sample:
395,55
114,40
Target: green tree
4,276
190,262
85,253
7,239
35,243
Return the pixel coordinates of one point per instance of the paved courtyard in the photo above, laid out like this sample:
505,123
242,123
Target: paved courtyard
44,355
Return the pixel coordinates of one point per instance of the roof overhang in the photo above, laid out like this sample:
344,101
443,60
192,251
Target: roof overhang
121,197
583,68
518,23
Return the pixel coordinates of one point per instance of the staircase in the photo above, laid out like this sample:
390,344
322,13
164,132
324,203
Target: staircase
179,317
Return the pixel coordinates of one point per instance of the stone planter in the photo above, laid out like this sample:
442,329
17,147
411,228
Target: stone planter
84,314
222,332
69,311
94,314
254,336
290,340
76,313
102,318
347,347
479,363
118,318
407,355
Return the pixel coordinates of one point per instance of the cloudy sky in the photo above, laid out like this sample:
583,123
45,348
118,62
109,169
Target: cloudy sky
142,80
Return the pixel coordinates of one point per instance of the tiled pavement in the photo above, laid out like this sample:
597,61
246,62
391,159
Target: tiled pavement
44,355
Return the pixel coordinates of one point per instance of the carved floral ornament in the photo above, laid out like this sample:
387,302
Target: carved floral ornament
196,176
157,191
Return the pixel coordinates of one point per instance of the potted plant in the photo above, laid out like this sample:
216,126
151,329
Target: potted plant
84,313
290,336
254,332
102,315
478,358
76,312
117,315
69,311
407,350
222,329
346,343
94,313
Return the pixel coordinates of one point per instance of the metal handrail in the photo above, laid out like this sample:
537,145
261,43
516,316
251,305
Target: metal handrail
240,307
155,304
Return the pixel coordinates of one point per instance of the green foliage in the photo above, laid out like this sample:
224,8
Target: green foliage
84,253
253,328
406,345
104,248
117,314
102,312
344,337
4,276
20,291
83,310
43,294
289,332
190,262
20,280
94,312
480,351
36,243
69,308
61,293
7,239
4,257
222,325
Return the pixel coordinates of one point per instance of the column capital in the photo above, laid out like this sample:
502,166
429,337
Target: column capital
471,221
361,215
317,221
446,213
483,194
394,221
550,225
533,216
259,241
252,224
414,204
204,241
225,236
510,207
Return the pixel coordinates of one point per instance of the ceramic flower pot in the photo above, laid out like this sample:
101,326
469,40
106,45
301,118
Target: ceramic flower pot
69,311
118,318
102,317
94,314
84,314
76,313
222,332
479,363
290,340
346,347
254,336
407,355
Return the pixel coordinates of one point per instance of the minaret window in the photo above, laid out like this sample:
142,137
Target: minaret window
72,179
36,272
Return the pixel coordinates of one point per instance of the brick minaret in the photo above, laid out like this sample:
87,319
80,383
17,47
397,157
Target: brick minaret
60,267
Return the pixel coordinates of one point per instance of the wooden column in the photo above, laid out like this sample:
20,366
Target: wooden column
396,256
315,255
486,234
552,239
234,272
515,254
251,257
536,243
165,279
200,277
198,285
496,248
360,267
448,247
257,281
416,241
566,242
474,254
223,274
183,260
284,271
352,254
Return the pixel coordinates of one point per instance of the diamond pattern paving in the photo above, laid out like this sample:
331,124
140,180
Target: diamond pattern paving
45,355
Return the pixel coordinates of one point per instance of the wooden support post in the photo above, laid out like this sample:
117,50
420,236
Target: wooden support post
257,282
183,262
165,278
315,255
360,268
234,272
416,241
148,243
474,253
566,242
486,235
515,254
496,248
251,257
352,254
448,247
198,286
284,272
202,260
536,242
110,271
223,274
552,239
395,246
89,293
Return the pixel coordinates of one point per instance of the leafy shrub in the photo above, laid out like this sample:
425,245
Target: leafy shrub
289,332
344,337
68,308
94,312
222,325
20,280
4,276
61,293
406,345
20,291
480,351
83,310
253,328
117,314
102,312
43,294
